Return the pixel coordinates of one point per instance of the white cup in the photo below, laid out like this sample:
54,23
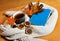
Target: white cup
19,17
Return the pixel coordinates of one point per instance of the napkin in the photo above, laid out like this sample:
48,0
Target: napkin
40,18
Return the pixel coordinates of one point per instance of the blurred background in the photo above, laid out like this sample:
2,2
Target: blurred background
19,4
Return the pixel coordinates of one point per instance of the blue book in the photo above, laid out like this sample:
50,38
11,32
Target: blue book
40,18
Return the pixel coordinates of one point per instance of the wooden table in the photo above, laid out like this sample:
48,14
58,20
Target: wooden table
18,4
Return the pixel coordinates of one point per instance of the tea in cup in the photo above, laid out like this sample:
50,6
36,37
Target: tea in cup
19,17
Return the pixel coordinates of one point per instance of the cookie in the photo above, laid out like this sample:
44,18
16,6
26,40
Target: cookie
28,31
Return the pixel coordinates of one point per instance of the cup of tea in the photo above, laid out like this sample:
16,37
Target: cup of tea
19,17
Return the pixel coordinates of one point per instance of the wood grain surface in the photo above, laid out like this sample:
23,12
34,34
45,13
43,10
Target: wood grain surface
6,5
